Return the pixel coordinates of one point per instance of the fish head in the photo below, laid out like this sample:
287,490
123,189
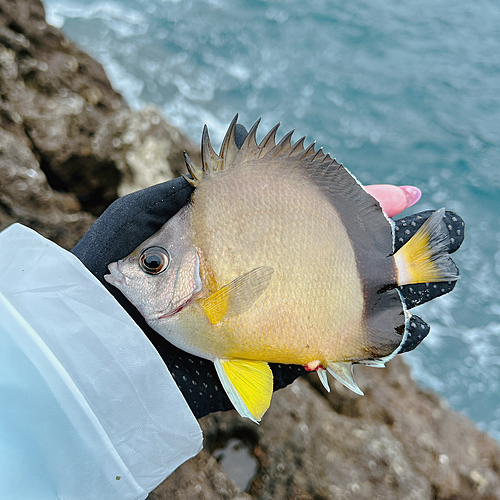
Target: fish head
161,276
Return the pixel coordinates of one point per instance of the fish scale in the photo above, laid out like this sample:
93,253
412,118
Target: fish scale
293,209
281,256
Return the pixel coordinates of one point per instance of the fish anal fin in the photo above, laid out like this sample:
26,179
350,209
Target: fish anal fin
238,296
425,258
342,371
248,384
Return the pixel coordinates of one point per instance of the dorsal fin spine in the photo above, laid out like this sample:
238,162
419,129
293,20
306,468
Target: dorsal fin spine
250,148
299,145
284,145
209,158
196,172
308,151
229,148
269,141
319,154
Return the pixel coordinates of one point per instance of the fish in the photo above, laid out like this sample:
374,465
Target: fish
280,256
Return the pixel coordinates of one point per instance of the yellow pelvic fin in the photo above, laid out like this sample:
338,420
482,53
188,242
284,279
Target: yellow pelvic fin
237,296
424,258
248,384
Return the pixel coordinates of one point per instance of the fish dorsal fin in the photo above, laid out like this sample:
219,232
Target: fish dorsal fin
348,196
210,160
285,145
367,226
250,149
229,149
269,141
237,296
230,154
361,214
248,384
195,172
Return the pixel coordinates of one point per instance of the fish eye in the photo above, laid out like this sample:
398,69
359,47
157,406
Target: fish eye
154,260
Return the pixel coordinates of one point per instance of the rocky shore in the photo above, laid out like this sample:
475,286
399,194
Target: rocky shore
69,145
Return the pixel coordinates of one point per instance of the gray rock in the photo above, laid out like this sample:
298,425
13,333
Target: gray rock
201,478
396,442
55,96
58,101
69,144
308,451
144,147
445,447
26,197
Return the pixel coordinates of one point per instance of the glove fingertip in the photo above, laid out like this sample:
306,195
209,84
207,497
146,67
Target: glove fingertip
417,330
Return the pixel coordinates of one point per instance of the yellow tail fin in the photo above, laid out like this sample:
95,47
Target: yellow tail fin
424,258
248,384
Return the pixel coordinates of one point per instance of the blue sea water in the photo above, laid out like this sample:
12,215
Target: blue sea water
400,91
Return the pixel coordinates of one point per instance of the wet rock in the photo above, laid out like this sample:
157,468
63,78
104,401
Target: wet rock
58,101
308,451
56,96
396,442
26,197
444,447
144,147
201,478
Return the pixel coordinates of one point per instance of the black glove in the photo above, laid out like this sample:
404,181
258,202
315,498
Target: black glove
134,218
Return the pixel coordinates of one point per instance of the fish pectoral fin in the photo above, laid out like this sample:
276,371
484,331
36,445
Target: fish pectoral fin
237,296
248,384
342,371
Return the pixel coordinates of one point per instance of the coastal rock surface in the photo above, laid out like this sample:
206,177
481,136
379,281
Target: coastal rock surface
397,442
69,145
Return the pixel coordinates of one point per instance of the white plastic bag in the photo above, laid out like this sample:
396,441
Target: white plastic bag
88,409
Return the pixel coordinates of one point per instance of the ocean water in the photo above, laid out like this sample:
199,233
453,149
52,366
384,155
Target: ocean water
400,91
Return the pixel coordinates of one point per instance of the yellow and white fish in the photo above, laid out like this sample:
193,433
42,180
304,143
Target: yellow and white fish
280,256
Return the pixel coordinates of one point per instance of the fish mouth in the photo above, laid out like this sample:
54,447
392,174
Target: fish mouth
115,276
178,309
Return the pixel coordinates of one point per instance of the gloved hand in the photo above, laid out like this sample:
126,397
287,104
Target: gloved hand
134,218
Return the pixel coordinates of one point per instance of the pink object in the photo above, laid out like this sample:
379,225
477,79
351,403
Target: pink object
413,194
394,199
